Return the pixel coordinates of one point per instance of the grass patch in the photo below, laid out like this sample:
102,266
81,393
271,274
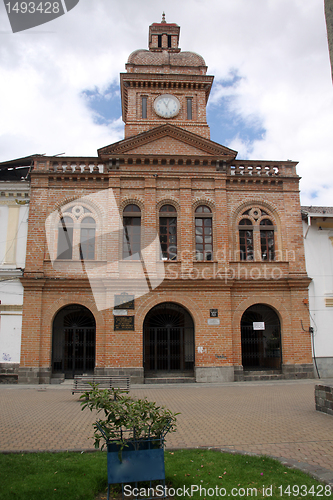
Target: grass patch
75,476
44,476
247,474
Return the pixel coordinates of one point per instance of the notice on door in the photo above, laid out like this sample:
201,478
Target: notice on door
258,325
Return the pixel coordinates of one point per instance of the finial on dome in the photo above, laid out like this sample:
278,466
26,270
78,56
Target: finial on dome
163,18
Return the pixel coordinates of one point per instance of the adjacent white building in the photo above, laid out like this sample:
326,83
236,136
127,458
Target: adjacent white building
14,207
318,243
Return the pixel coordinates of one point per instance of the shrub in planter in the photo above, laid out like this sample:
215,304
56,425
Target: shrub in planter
133,431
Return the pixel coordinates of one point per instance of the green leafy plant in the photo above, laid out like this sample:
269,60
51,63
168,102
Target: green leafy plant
125,418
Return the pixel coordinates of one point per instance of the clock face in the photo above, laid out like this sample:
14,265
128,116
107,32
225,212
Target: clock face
166,106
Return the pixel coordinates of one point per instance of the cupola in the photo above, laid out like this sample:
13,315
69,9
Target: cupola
164,36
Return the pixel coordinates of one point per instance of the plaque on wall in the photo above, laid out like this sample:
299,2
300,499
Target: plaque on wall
213,321
120,312
213,313
123,323
124,301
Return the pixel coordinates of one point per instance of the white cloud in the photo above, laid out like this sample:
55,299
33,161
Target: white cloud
277,47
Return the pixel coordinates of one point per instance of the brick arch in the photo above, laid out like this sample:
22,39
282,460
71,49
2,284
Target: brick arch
273,214
90,203
131,201
256,203
181,300
203,201
64,201
168,201
50,314
279,309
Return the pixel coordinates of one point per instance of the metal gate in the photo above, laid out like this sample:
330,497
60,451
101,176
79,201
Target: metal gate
261,338
169,348
252,347
79,351
73,347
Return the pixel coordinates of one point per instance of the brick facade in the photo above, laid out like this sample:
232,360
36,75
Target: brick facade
166,161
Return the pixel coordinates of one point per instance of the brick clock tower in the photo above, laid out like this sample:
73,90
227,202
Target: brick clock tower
222,298
163,84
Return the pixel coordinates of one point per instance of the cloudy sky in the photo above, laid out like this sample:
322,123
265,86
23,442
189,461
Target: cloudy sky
272,96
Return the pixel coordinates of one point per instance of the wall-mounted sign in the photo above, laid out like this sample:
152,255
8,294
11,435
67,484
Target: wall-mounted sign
213,321
123,323
258,325
124,301
119,312
220,356
213,313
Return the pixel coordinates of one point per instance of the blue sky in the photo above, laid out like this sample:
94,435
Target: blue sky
272,96
106,106
225,125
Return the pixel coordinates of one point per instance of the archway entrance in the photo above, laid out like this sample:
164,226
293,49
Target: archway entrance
168,340
73,342
261,338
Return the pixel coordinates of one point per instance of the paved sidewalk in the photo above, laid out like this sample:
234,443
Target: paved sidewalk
273,418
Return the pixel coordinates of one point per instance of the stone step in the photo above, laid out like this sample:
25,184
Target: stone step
58,380
251,378
169,380
262,372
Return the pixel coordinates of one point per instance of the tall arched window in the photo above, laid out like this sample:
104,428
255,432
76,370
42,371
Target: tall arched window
203,233
168,232
267,239
132,232
65,238
256,235
87,238
246,239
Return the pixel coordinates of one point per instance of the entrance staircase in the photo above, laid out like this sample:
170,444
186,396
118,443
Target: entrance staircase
176,377
252,375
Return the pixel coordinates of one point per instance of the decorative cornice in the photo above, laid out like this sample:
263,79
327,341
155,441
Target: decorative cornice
10,307
207,146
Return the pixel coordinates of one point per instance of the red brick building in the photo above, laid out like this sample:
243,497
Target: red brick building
165,256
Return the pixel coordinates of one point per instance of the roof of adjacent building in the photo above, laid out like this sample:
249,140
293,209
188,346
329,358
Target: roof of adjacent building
313,210
17,169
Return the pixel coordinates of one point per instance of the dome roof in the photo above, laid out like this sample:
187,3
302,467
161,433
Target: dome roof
157,58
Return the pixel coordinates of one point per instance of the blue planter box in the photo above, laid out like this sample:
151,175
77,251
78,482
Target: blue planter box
136,465
140,460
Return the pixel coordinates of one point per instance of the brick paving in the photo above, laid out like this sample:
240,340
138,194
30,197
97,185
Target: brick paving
272,418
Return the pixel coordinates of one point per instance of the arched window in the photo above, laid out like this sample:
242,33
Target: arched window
246,239
267,239
65,238
132,232
168,232
256,235
203,233
87,238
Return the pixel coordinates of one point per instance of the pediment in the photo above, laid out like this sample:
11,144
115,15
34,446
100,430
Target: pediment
167,139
